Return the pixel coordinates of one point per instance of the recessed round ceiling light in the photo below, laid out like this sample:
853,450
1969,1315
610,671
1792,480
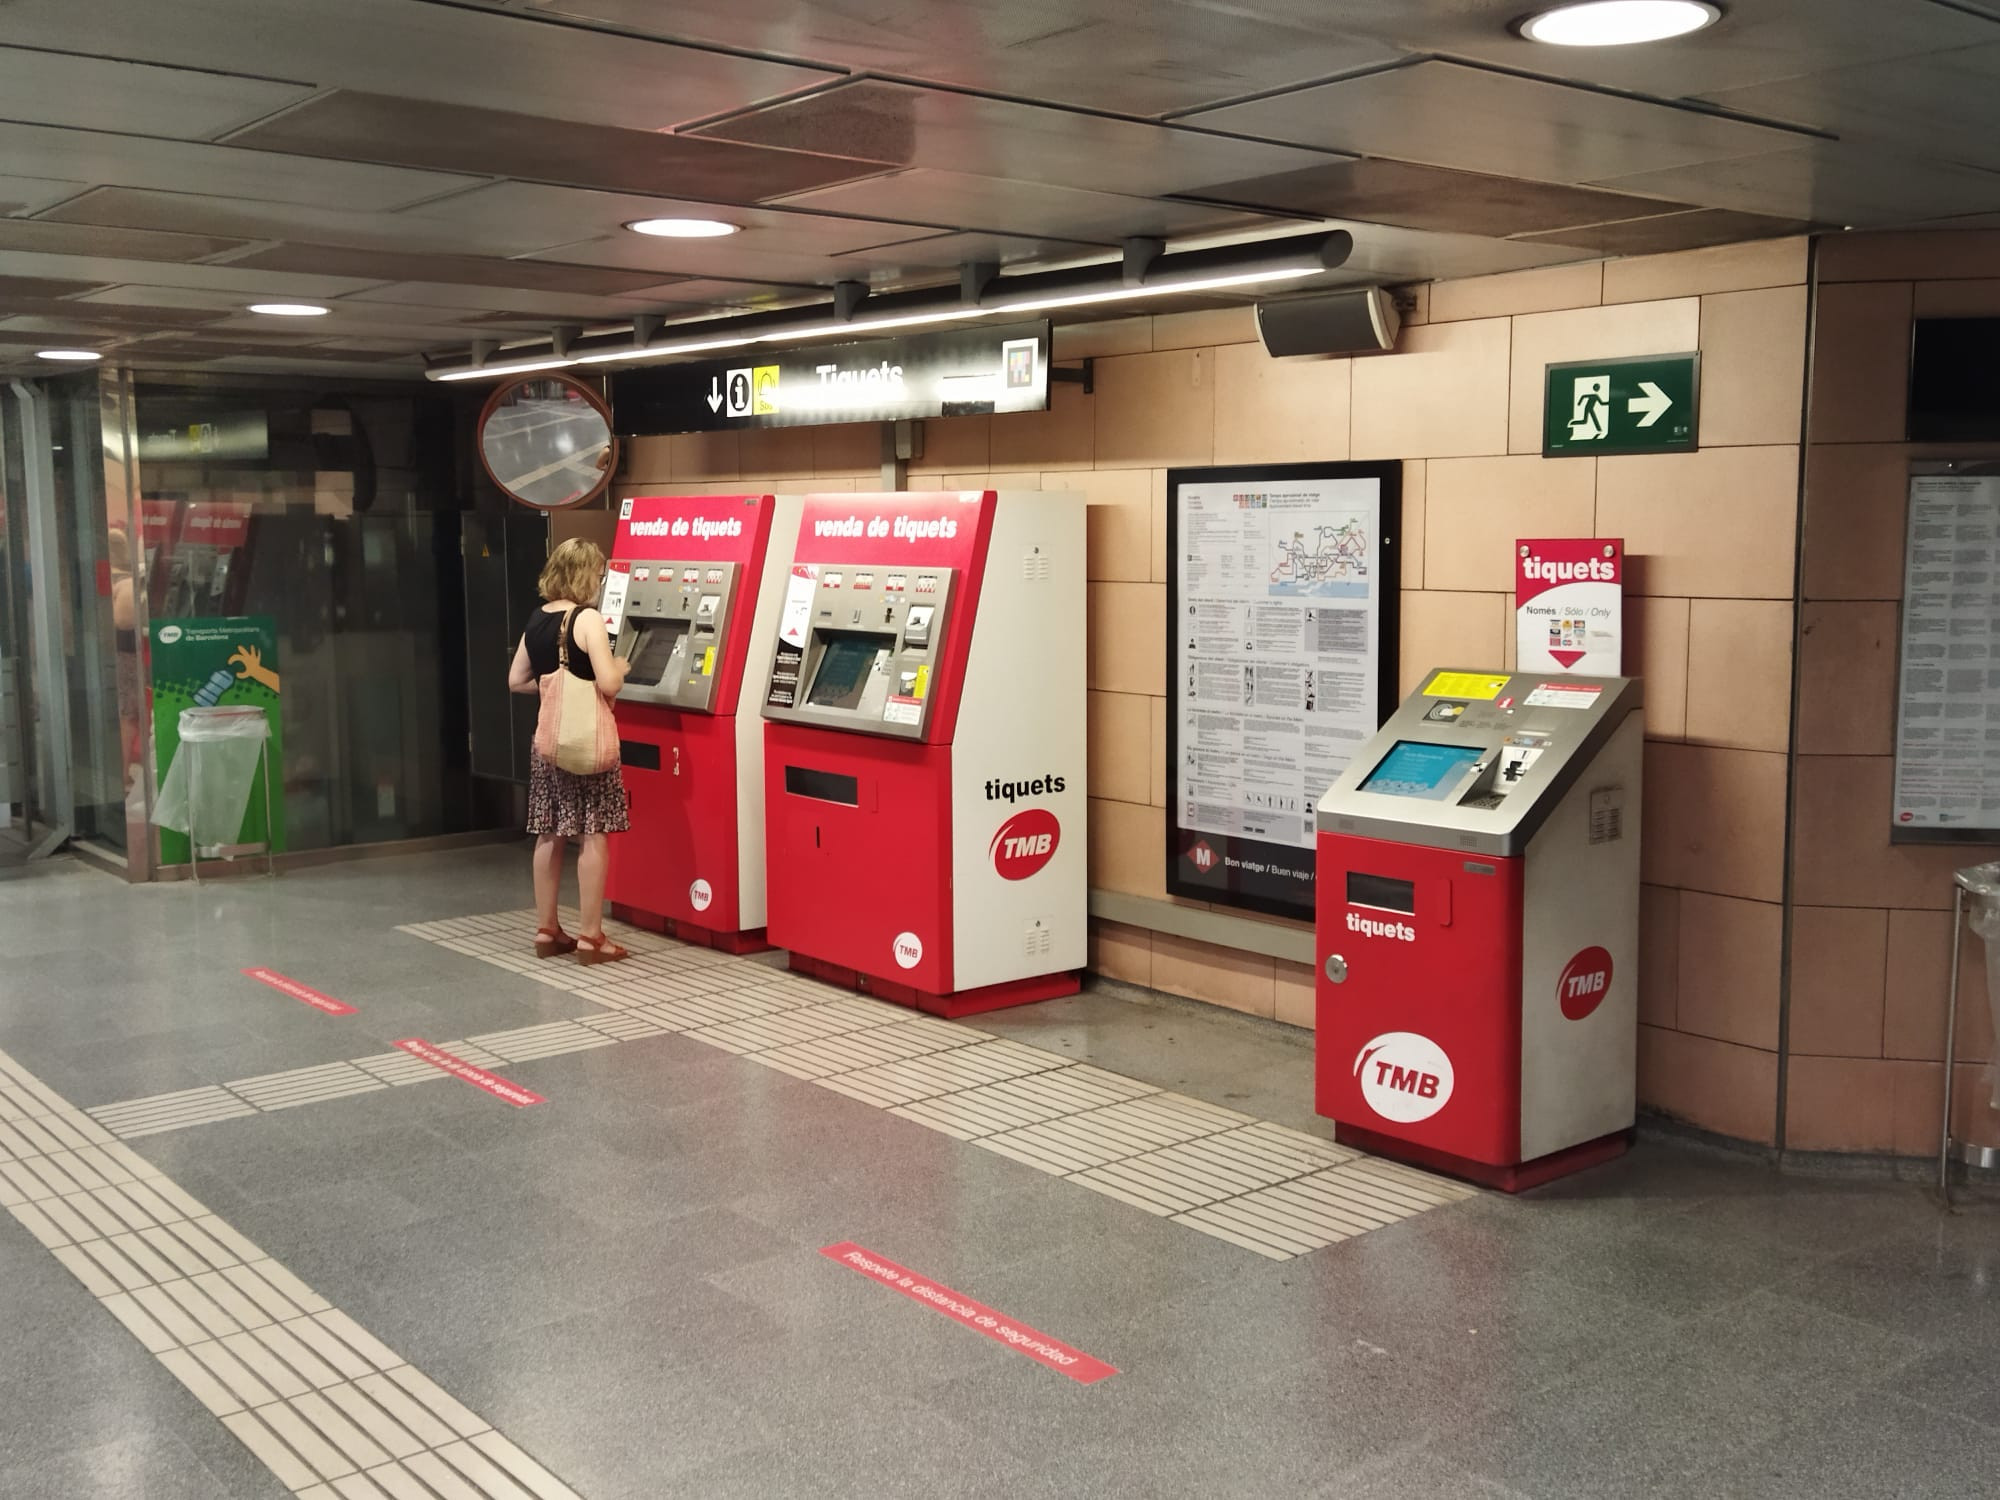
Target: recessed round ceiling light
74,356
1618,23
683,229
290,309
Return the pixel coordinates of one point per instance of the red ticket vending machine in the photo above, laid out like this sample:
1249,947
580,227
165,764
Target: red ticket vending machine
691,599
1478,928
924,750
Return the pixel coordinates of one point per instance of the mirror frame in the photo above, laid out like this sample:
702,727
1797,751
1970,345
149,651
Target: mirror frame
500,394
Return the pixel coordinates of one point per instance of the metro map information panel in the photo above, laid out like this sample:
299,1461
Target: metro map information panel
1282,589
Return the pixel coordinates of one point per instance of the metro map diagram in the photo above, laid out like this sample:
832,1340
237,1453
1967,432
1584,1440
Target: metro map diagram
1333,564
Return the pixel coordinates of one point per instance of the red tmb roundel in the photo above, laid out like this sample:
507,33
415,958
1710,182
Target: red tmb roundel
1025,843
1585,981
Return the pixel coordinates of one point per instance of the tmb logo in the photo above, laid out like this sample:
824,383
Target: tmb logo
1201,856
1404,1077
909,950
1402,932
1026,842
701,895
1584,983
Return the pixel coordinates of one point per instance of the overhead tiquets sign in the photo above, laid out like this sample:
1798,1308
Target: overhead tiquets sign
1282,587
1948,703
950,372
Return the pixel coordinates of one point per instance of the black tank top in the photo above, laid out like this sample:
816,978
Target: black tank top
545,646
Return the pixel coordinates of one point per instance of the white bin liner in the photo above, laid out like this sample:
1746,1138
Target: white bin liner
213,773
1982,899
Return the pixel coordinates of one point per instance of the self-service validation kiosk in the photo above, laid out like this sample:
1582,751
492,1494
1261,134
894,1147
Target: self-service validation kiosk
1478,928
924,757
691,600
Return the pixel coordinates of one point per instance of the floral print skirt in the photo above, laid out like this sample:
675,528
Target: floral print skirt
561,802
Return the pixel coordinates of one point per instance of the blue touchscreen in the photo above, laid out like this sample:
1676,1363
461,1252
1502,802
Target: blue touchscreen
1414,769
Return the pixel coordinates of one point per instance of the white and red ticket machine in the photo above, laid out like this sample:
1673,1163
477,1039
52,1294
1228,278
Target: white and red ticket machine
924,748
691,601
1478,928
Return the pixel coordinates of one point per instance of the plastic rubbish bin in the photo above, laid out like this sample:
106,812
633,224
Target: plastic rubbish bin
209,784
1975,897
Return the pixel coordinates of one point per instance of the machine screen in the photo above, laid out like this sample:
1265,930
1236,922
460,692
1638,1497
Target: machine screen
1415,769
652,649
843,671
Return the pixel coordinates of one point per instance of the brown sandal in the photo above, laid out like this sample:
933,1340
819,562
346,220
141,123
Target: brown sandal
598,950
553,944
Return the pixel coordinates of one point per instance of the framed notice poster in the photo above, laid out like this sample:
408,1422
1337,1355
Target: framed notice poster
1282,586
1948,697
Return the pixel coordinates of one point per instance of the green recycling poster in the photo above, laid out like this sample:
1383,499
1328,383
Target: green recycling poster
229,662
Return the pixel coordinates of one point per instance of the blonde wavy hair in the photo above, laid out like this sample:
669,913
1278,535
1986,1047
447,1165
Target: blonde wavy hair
574,573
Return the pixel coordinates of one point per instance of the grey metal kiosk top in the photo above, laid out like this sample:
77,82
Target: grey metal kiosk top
1477,760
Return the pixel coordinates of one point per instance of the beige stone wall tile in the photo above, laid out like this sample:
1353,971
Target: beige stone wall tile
1119,519
1729,968
1059,438
1015,479
1543,339
1960,299
1153,410
1547,289
1411,539
1690,273
1279,410
1857,503
1656,649
777,452
1121,744
1128,638
1753,366
1659,955
853,448
1121,952
1296,1004
1861,363
1128,848
1112,336
1910,255
1208,328
1740,673
1451,630
1843,857
1918,970
1847,678
1157,761
1476,509
705,455
1442,394
1159,525
1716,524
1221,976
1840,1104
1715,820
644,461
1838,955
1712,1085
955,445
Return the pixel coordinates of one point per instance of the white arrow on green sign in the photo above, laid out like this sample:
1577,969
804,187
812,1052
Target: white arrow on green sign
1651,404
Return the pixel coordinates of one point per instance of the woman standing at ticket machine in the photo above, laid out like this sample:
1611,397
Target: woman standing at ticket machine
568,633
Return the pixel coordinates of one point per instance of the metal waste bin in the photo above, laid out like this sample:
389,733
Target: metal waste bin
223,755
1975,895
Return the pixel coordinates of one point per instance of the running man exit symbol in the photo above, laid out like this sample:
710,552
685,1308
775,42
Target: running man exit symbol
1605,406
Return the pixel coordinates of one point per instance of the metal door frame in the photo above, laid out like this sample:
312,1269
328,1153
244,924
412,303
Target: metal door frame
50,696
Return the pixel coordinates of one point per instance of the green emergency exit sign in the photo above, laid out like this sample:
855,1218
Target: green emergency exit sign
1645,405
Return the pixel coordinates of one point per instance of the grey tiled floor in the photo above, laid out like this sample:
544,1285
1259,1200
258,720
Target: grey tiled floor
626,1281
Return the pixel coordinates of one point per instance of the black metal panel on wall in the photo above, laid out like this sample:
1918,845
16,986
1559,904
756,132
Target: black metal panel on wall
1283,586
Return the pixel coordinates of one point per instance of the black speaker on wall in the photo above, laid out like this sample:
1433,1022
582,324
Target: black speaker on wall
1363,321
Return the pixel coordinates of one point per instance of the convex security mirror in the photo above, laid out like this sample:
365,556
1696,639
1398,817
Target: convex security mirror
546,441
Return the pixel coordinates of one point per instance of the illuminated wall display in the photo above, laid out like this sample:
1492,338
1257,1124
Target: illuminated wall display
945,373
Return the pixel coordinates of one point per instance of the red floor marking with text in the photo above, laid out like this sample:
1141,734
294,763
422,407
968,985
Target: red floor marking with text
1022,1339
479,1078
304,994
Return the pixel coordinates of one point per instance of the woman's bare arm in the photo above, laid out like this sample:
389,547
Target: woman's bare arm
521,676
592,636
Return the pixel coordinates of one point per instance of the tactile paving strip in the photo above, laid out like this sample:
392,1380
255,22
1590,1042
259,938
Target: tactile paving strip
323,1404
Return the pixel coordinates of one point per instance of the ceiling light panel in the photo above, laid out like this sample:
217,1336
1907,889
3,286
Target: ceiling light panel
1618,23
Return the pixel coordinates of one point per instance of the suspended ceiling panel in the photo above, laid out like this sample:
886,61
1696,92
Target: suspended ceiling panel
1829,183
445,53
917,127
465,270
959,200
1418,197
1761,40
1694,230
1169,56
137,244
1948,107
190,167
550,305
106,270
24,195
94,93
1450,115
